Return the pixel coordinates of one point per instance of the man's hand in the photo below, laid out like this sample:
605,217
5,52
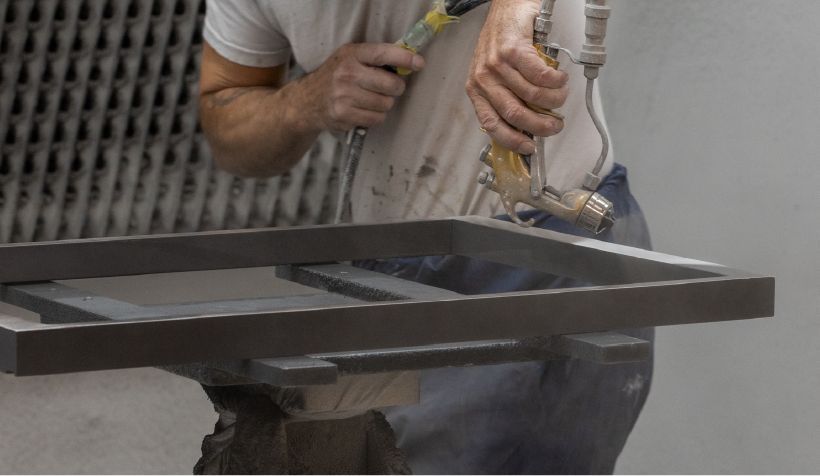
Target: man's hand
506,73
352,89
259,126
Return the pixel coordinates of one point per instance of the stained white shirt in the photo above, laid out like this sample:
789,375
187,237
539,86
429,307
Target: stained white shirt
423,161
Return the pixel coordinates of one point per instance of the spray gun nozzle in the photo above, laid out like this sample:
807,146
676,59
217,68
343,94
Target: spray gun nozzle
597,215
522,179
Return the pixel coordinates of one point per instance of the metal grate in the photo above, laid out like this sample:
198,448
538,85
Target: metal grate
100,137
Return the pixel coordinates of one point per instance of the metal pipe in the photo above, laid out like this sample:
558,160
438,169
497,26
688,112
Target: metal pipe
599,125
547,7
542,24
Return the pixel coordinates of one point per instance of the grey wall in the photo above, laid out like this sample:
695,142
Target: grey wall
715,109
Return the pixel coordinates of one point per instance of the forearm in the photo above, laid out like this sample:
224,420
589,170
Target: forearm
258,131
256,127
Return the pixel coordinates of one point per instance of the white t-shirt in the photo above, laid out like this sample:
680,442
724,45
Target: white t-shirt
423,161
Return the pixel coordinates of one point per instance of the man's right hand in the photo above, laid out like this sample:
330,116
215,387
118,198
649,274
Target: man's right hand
352,89
257,125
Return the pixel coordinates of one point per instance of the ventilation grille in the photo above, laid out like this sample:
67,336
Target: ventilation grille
100,137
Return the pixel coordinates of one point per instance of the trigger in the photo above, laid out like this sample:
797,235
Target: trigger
510,208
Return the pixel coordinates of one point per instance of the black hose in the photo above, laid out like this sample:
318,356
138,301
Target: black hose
450,4
459,8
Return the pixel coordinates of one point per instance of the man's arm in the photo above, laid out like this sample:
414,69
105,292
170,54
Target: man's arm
259,126
506,73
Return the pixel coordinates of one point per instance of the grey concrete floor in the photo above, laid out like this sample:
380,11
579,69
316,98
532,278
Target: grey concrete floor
130,421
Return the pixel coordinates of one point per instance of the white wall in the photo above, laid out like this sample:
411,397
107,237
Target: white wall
715,109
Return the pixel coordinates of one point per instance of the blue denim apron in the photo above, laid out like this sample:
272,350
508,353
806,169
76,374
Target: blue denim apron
564,417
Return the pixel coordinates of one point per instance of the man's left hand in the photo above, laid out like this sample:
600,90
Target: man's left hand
506,74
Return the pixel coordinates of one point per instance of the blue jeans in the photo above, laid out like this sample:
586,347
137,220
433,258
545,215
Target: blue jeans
565,417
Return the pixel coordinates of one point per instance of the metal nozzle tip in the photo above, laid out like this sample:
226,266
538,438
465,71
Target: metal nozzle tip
606,222
598,215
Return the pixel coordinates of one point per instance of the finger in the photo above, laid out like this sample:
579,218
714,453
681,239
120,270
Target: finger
364,118
547,98
380,81
371,101
386,54
534,70
499,130
515,113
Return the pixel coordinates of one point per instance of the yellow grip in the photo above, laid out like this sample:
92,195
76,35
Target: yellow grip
424,30
438,18
554,64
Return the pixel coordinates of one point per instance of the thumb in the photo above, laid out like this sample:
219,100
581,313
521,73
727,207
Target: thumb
387,54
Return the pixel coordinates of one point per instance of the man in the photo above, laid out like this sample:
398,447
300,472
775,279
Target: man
420,161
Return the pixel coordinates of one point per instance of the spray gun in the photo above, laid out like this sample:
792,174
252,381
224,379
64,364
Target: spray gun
521,179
